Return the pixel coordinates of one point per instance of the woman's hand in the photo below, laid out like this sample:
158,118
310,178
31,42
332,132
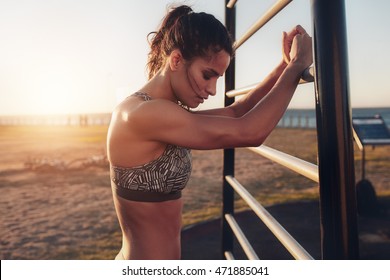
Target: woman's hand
301,53
288,39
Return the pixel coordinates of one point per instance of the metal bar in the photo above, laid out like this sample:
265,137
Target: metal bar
229,256
307,77
361,148
227,237
298,165
357,139
295,249
231,4
274,10
240,91
245,244
338,207
363,163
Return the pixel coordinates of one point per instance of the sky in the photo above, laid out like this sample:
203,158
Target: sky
85,56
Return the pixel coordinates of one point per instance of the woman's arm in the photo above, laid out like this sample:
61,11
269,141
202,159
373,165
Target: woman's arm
246,103
164,121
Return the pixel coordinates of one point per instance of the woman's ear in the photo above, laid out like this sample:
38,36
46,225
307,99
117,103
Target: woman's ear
175,60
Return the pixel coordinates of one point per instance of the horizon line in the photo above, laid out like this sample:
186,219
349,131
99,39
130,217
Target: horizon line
110,112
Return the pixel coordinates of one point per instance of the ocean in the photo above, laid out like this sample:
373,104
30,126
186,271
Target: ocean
306,118
295,118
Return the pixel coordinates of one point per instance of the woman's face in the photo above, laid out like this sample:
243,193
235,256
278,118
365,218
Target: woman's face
198,78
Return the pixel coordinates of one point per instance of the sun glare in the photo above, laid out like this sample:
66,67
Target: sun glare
53,102
60,90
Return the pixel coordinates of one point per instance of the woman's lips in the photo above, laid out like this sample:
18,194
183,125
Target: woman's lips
202,99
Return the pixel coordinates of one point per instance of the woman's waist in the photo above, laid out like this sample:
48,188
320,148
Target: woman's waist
145,194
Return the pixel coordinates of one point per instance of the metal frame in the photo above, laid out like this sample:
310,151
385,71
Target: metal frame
307,77
228,154
339,236
338,208
304,168
295,249
273,11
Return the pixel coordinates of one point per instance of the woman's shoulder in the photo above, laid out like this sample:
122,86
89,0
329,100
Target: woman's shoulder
125,118
129,105
137,108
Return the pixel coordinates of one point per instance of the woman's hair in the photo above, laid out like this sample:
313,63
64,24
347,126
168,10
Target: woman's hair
194,34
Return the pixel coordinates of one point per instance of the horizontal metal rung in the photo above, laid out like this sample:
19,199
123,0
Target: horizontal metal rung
274,10
295,249
307,77
307,169
231,4
229,256
245,244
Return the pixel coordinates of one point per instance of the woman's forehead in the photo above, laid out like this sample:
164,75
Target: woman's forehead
217,61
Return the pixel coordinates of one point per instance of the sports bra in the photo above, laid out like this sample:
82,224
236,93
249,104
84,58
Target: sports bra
161,179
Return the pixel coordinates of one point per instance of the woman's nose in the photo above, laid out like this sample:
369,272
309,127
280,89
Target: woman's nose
212,88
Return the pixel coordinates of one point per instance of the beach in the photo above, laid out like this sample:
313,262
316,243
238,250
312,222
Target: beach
56,200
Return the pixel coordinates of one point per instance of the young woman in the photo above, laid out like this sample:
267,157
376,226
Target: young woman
152,131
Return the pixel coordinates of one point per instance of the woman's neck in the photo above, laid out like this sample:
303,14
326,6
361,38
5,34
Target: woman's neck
159,87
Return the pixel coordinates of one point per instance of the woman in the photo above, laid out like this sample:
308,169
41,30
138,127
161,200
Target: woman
153,130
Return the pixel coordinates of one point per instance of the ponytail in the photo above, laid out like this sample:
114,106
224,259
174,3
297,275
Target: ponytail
156,55
194,34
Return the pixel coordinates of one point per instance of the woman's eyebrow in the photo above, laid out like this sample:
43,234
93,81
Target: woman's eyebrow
215,73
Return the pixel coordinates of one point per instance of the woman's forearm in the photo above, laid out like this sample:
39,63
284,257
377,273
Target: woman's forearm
246,103
265,115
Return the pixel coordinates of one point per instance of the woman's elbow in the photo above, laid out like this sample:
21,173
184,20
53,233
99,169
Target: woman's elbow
253,139
257,141
249,136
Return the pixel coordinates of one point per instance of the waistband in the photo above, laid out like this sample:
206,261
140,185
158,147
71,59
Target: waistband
143,196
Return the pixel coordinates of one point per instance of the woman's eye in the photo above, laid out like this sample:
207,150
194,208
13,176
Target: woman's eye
206,77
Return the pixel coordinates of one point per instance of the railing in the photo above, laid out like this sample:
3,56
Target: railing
57,120
307,77
335,170
284,237
298,165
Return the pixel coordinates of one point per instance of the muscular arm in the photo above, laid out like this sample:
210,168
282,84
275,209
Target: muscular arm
246,103
164,121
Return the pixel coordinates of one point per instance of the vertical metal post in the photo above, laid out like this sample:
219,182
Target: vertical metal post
363,163
339,235
228,154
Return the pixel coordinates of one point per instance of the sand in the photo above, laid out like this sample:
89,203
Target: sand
56,199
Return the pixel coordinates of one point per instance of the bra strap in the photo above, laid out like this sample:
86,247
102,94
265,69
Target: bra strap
143,95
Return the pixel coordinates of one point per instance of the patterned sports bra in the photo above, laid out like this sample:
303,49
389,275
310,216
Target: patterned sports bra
159,180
